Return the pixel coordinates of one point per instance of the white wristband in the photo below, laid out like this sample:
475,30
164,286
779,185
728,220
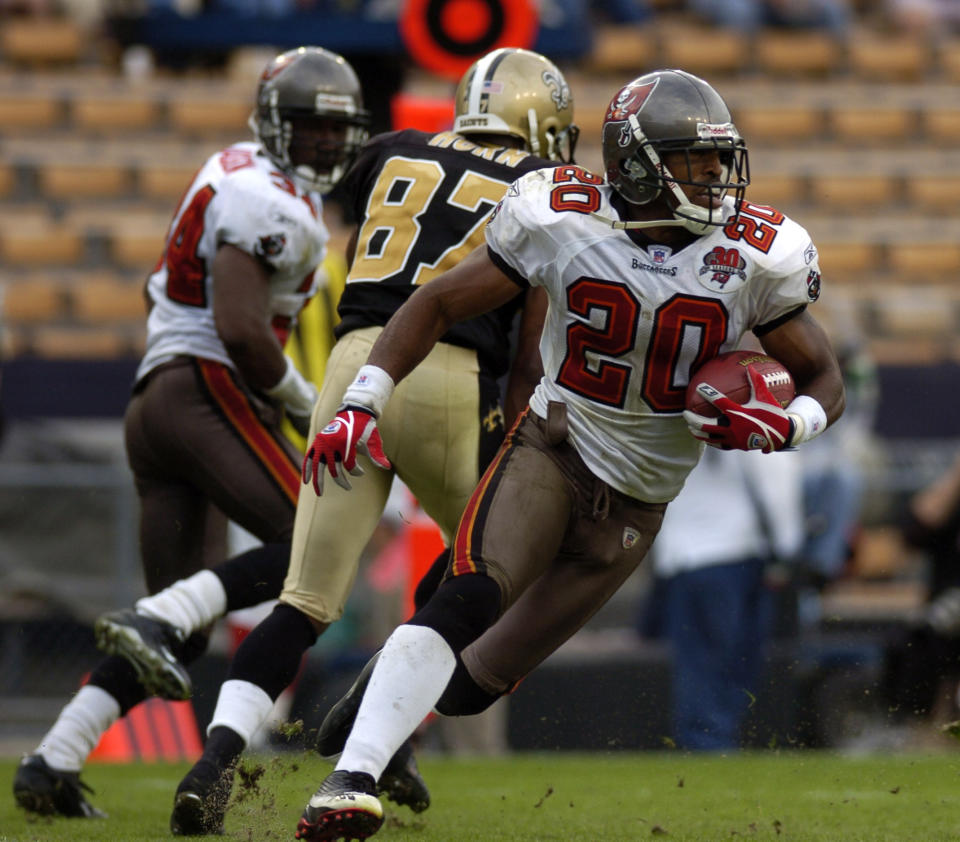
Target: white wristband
371,389
809,419
294,390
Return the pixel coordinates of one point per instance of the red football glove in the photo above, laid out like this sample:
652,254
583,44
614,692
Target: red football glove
758,424
352,430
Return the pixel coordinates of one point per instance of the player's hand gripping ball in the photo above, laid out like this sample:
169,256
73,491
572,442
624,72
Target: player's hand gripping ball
737,401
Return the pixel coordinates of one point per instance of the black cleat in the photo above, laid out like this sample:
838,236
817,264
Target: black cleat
49,792
148,645
201,801
401,781
344,807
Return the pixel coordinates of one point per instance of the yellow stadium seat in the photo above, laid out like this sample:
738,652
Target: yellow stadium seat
950,58
934,192
8,180
84,180
787,123
622,49
100,114
168,182
108,300
79,343
29,112
866,125
862,192
137,245
34,300
942,124
932,262
40,242
704,51
777,189
844,260
41,40
215,115
797,53
875,56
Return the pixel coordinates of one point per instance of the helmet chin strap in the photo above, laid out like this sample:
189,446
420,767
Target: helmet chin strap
695,219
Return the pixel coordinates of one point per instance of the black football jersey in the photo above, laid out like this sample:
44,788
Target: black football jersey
421,201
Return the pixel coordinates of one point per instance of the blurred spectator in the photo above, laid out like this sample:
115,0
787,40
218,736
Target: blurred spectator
833,470
833,16
739,512
924,17
927,652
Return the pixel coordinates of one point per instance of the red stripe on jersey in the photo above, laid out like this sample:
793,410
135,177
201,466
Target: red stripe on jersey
241,415
473,515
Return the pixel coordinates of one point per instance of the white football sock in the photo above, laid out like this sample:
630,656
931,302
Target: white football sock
78,728
242,707
190,604
410,676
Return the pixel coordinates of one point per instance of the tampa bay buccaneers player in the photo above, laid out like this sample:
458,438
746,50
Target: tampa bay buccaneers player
421,201
202,426
649,272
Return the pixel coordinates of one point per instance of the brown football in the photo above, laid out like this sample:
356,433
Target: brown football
727,373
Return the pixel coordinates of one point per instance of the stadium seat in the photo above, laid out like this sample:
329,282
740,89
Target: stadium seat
782,190
874,56
40,242
164,181
950,58
795,53
32,112
844,260
622,49
8,180
704,51
84,180
101,114
80,343
934,192
779,123
934,261
942,124
138,244
861,192
872,125
34,299
221,114
913,313
105,300
41,40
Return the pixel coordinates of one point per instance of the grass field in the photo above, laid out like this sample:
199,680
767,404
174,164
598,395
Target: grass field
810,796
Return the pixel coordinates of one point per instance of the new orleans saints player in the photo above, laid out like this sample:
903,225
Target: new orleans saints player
422,201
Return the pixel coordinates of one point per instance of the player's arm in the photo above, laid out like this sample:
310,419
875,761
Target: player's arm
803,346
527,368
761,423
471,288
241,307
241,296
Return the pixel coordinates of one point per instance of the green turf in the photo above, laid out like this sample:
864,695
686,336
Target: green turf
810,796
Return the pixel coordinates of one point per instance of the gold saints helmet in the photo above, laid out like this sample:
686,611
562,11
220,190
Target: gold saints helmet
522,94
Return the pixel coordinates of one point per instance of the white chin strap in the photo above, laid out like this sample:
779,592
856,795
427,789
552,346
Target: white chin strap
695,219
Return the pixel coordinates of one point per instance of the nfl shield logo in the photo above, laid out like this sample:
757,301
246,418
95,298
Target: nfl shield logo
659,254
630,537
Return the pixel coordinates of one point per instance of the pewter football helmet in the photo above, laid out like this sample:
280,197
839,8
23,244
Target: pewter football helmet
522,94
310,82
668,111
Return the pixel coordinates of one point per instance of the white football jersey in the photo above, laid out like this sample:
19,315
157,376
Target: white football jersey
241,198
627,325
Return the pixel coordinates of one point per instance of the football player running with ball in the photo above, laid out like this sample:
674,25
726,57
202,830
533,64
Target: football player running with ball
649,272
202,427
421,200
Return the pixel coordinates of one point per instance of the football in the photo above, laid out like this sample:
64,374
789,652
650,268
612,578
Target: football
727,373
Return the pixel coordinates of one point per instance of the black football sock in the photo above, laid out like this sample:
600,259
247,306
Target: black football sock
254,576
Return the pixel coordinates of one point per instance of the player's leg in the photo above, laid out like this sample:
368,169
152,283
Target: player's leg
219,446
329,535
420,656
